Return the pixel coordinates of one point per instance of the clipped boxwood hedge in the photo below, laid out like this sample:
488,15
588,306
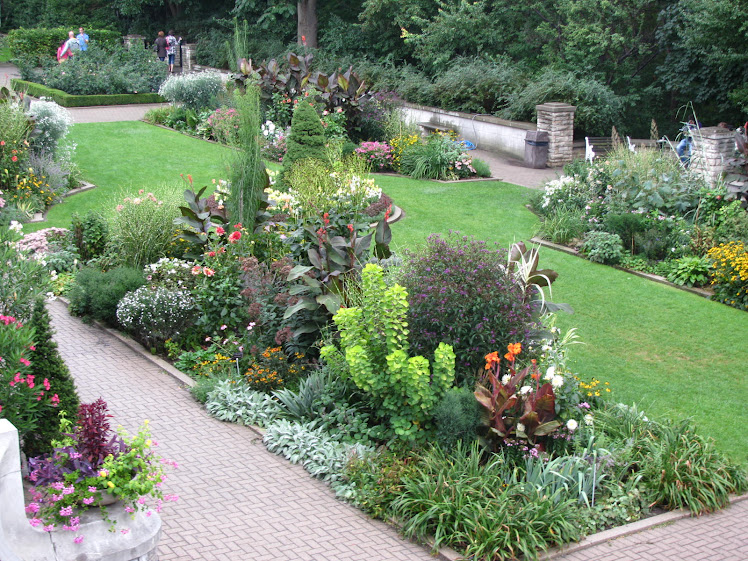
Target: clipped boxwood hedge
40,43
68,100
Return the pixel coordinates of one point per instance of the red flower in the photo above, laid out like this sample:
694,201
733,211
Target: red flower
220,231
235,236
238,226
350,228
14,158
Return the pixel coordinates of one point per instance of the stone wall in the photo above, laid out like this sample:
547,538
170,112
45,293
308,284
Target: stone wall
20,542
485,131
186,57
711,147
557,119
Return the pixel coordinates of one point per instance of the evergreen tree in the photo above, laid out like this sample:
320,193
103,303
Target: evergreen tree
46,362
307,138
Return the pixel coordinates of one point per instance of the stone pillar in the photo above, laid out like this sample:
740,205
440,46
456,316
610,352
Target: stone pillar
130,40
711,147
557,119
188,58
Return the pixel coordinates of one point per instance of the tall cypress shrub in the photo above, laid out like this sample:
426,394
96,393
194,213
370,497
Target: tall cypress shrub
307,138
46,362
247,170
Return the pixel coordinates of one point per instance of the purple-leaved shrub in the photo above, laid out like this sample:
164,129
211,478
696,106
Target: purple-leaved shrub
460,293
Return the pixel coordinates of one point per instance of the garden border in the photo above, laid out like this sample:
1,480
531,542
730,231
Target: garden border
42,216
69,100
649,276
445,553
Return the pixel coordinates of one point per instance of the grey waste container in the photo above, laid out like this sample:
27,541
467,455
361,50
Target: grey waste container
536,149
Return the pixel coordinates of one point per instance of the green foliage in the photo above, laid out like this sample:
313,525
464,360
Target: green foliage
476,85
375,342
90,234
101,71
195,91
48,364
157,115
143,227
377,480
563,225
434,159
69,100
236,403
198,219
456,418
40,44
466,504
96,294
307,138
24,279
482,169
603,247
690,271
247,176
52,123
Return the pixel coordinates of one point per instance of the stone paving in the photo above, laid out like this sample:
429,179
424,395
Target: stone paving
237,501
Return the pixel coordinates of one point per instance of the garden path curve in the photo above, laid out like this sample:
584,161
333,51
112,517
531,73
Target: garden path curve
237,501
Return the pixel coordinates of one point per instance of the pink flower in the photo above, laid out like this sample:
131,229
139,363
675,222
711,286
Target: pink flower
55,400
208,272
220,231
92,489
46,384
124,530
129,509
24,361
49,528
196,270
78,539
235,236
32,507
35,522
66,511
88,500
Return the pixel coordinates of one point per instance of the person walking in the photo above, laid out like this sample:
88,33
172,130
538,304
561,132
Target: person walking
159,45
171,45
82,38
69,47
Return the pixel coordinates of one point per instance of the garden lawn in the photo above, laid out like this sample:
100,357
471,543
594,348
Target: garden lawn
674,353
4,54
133,155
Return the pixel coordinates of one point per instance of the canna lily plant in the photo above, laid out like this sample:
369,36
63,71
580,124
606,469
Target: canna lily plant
510,408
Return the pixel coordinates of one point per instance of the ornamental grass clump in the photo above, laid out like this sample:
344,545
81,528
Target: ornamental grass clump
460,292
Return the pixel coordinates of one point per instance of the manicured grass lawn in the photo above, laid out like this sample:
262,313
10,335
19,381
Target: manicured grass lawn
4,54
674,353
132,156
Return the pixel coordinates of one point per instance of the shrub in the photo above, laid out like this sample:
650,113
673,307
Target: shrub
223,125
39,44
568,191
563,225
170,272
54,174
272,369
603,247
154,315
143,227
307,138
730,274
14,131
475,85
158,115
48,364
482,169
431,159
90,234
274,147
24,279
52,124
96,294
377,480
69,100
376,154
101,71
456,418
194,91
461,293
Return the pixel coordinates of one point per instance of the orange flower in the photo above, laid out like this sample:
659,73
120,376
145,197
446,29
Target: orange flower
491,359
514,348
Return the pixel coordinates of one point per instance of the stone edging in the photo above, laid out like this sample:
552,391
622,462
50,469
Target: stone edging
42,216
444,553
476,180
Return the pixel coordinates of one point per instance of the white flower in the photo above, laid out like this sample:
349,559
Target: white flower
525,390
505,379
572,425
520,427
557,382
589,419
550,373
16,226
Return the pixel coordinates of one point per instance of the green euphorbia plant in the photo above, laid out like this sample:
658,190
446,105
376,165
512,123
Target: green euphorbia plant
403,389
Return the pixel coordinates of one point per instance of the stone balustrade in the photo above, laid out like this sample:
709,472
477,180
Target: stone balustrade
557,119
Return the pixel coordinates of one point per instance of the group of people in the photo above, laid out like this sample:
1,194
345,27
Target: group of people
165,46
74,44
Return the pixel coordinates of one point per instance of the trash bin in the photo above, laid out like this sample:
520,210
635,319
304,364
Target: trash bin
536,149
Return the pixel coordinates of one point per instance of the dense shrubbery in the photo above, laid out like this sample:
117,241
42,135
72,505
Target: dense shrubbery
100,70
39,44
461,293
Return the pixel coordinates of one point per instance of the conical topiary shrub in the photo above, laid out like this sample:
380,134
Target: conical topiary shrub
46,363
307,138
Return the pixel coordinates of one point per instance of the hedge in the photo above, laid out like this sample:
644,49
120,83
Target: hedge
68,100
40,43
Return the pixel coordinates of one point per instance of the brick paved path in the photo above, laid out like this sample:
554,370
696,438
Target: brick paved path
722,536
237,500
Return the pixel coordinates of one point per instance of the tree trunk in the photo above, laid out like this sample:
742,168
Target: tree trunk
307,23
